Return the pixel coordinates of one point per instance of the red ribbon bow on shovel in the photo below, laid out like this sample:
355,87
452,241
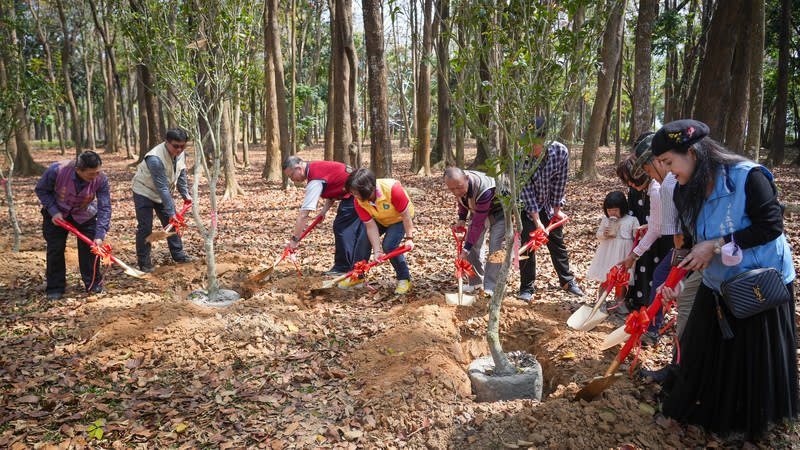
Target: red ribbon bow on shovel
539,236
616,280
463,267
636,325
177,222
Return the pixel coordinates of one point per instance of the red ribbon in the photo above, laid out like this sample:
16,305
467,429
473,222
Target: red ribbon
636,325
177,224
463,267
104,252
359,269
538,238
616,280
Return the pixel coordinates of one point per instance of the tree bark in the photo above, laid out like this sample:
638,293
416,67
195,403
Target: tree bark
776,152
612,44
442,148
567,133
59,119
380,138
343,70
643,50
141,93
232,188
272,135
423,150
753,140
66,56
740,88
716,71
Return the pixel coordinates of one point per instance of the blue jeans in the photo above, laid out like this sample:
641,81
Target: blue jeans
394,235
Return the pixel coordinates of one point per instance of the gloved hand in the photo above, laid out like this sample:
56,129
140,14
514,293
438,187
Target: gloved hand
58,216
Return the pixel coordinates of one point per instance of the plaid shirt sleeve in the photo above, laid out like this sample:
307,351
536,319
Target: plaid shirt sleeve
559,156
528,192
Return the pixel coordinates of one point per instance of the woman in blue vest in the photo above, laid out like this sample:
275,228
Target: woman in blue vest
724,200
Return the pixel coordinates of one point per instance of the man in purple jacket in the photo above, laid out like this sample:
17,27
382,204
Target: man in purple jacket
77,192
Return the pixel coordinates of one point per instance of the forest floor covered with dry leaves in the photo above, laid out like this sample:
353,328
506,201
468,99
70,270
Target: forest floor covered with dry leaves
285,367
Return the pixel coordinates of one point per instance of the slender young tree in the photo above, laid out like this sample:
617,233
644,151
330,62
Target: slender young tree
777,151
423,147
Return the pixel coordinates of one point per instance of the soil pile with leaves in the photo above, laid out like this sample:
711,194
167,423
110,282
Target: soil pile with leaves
291,366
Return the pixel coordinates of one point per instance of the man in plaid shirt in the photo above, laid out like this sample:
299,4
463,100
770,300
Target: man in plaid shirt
543,197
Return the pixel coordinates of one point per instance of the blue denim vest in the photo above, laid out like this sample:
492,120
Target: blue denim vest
724,213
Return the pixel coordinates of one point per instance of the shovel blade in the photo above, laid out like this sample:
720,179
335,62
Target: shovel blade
596,386
452,299
578,320
134,272
158,235
616,337
261,275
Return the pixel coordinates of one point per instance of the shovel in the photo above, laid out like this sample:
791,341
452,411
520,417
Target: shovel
365,266
619,335
584,319
538,238
167,231
128,269
265,273
459,298
600,384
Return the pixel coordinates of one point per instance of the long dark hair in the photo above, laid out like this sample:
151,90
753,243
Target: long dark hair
689,198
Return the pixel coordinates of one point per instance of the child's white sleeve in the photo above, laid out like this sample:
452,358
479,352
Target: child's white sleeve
628,226
602,230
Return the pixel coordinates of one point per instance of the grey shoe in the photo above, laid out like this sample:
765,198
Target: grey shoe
55,295
147,269
525,296
185,259
572,288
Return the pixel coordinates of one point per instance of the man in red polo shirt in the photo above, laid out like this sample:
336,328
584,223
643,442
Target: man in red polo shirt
325,179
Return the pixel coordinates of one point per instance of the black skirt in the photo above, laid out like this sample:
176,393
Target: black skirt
740,384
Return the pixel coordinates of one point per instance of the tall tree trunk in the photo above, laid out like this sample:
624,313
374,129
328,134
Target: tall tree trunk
18,147
612,45
66,56
89,69
280,87
642,115
155,126
312,79
740,88
776,151
344,139
380,138
482,153
715,76
232,188
144,123
567,133
423,150
272,134
59,119
442,148
401,92
753,141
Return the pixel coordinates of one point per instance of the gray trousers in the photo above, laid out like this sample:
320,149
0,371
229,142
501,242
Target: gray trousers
686,300
496,227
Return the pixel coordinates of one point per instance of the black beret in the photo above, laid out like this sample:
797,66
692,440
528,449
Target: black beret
678,135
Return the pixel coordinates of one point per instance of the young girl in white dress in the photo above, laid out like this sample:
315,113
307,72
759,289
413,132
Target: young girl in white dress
616,237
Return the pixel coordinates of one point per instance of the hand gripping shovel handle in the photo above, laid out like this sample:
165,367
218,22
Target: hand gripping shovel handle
264,273
396,252
68,226
186,207
550,227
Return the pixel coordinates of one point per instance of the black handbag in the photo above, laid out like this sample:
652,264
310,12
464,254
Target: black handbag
754,291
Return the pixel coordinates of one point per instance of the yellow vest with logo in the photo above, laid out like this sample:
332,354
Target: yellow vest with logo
384,212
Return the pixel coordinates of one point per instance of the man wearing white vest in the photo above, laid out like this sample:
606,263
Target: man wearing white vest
163,169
